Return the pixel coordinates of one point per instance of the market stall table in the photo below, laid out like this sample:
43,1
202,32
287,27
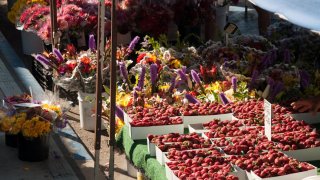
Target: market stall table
137,153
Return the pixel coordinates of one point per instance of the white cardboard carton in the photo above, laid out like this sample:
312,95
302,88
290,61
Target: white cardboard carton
241,174
307,117
310,154
151,148
143,131
169,172
127,118
197,128
203,119
293,176
160,156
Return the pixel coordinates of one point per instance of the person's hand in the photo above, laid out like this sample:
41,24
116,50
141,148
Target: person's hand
302,105
316,107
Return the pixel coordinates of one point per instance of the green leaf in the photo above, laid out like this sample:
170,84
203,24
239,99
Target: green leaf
106,89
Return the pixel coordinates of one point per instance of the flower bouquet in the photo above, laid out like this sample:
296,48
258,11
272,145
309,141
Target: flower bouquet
12,125
31,126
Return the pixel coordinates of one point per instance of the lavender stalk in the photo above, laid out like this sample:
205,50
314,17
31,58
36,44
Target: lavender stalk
58,54
141,78
234,83
182,75
172,85
223,99
153,76
132,44
119,112
197,80
92,43
44,61
191,99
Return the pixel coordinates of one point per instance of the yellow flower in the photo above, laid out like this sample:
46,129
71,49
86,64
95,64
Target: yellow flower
123,99
175,63
164,87
55,108
119,125
35,127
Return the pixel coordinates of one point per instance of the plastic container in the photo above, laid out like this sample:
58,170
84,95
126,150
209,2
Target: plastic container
11,140
87,111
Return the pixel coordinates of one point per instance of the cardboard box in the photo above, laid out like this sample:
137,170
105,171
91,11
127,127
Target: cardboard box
307,117
143,131
310,154
203,119
293,176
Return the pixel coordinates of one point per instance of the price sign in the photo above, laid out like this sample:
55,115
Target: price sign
267,118
230,28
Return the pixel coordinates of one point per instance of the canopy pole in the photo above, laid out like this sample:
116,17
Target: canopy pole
100,59
113,86
54,27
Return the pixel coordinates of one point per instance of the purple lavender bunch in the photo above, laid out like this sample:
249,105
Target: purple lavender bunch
287,56
276,89
119,113
43,60
92,43
172,85
141,78
182,75
123,71
234,83
195,77
191,99
133,43
58,54
254,77
223,99
184,69
304,79
153,73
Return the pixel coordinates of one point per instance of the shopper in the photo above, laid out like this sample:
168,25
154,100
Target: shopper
312,104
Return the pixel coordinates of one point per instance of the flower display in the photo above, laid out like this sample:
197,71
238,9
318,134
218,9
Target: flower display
13,124
35,127
19,6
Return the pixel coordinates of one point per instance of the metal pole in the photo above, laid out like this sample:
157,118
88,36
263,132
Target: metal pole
54,27
100,58
113,87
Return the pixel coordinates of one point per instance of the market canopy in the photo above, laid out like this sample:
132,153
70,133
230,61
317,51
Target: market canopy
302,13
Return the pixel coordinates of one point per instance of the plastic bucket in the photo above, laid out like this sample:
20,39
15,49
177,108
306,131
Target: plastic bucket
87,111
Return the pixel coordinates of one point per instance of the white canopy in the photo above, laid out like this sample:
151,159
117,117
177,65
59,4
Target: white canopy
305,13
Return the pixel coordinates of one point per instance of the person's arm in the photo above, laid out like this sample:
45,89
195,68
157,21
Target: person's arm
312,104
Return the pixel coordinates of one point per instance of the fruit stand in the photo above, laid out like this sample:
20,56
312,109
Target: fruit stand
188,107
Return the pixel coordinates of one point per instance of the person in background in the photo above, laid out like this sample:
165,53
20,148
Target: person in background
312,105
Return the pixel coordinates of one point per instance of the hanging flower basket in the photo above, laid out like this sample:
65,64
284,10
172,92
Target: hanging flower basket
11,140
33,149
